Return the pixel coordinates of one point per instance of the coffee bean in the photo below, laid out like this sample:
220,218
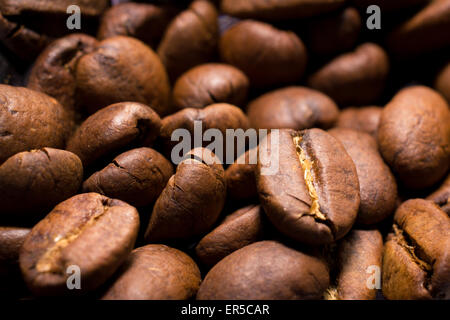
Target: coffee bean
387,5
292,108
278,10
354,78
122,69
54,70
113,128
145,22
377,185
11,240
414,136
90,231
416,260
30,120
441,196
210,83
43,177
265,270
240,176
239,229
314,196
249,46
191,202
190,39
155,272
137,176
365,119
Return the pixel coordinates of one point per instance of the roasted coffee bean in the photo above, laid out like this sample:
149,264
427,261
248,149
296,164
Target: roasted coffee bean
292,108
279,9
54,70
11,240
424,32
414,136
191,202
359,263
146,22
265,270
240,176
137,177
155,272
113,128
43,177
377,185
354,78
30,120
314,195
191,39
442,83
249,46
122,69
89,231
335,33
416,260
441,196
388,5
220,116
365,119
210,83
238,230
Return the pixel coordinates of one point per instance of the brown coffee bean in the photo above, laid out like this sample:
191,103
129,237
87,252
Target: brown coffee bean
416,260
240,176
424,32
442,83
238,230
190,39
191,202
43,177
30,120
146,22
122,69
249,46
54,70
388,5
292,108
265,270
358,253
220,116
210,83
11,240
113,128
89,8
414,136
377,185
279,9
137,177
335,33
365,119
314,196
441,196
354,78
90,231
155,272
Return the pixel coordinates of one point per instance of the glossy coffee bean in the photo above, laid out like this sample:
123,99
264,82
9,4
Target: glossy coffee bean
191,202
88,231
137,177
239,229
112,128
416,260
292,108
155,272
377,185
314,196
266,270
414,136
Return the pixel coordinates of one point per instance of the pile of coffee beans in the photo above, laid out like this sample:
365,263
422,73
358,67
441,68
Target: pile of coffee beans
225,149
